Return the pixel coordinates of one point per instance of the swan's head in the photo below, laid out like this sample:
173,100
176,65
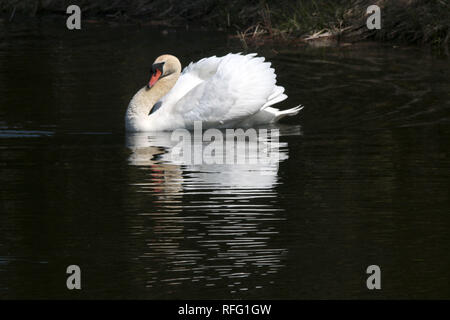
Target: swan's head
164,66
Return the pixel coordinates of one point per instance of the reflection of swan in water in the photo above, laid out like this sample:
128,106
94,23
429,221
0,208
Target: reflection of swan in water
210,224
258,168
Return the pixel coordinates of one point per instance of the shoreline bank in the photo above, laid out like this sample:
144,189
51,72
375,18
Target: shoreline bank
255,23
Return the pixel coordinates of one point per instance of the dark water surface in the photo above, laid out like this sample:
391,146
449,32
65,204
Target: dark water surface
362,175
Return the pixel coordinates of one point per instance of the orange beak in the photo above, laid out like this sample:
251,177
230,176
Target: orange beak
154,78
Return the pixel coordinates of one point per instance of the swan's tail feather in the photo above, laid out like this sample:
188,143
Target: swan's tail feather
275,97
288,112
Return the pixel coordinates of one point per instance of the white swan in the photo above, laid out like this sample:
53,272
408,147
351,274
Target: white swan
222,92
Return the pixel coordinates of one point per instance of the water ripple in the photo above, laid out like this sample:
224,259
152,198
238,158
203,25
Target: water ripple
226,214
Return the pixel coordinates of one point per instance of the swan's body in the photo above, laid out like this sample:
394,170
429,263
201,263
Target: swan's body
222,92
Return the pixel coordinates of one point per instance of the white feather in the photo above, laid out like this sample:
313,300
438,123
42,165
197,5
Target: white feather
222,92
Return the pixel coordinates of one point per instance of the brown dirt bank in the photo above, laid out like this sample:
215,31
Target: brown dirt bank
256,22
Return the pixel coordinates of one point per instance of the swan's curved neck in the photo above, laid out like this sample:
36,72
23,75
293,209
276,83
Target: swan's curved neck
145,98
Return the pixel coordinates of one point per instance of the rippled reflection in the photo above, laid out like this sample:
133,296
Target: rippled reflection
214,224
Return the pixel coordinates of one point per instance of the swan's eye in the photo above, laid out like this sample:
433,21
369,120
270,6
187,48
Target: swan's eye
157,66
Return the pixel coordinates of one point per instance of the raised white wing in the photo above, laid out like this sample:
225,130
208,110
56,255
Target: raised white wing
226,89
192,75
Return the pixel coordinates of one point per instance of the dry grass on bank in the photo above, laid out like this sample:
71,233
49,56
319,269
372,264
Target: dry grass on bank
259,21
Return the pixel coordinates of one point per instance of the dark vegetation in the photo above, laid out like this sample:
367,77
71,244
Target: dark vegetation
257,22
